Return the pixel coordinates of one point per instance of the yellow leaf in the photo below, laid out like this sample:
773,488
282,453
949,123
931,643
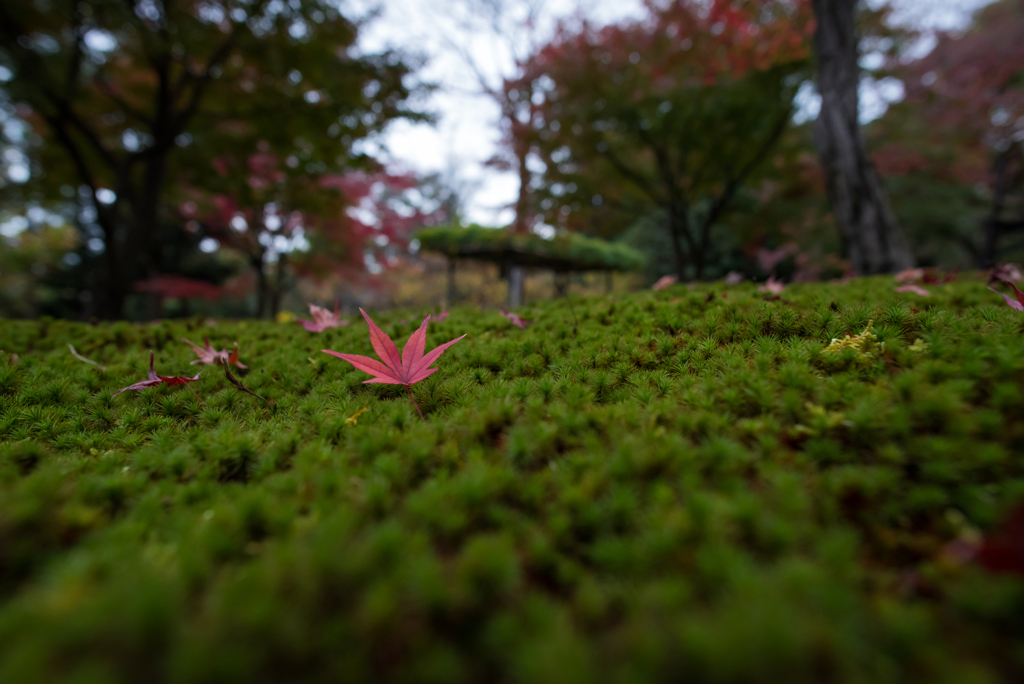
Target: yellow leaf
354,418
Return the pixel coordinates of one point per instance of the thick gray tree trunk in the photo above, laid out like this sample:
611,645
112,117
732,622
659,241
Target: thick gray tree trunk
873,239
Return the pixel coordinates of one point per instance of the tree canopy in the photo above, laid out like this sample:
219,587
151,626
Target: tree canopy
130,99
674,113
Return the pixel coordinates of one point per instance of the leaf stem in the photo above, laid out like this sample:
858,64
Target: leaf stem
409,392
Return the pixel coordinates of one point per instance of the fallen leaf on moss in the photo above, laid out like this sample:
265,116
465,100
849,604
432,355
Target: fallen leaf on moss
155,379
1004,272
408,369
916,289
354,418
234,381
772,286
1017,303
212,357
323,319
733,278
865,344
515,319
665,281
1003,549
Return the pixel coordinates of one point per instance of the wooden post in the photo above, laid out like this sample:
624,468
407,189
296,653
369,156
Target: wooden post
516,283
561,284
451,293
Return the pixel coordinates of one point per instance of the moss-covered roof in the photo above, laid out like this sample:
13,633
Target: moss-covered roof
564,252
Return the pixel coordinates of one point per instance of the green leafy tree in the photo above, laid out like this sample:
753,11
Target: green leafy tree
954,148
672,113
130,98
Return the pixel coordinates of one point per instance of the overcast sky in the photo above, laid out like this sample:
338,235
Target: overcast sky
467,130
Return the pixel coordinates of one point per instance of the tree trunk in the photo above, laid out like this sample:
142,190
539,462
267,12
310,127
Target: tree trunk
1001,170
262,286
278,292
873,240
676,227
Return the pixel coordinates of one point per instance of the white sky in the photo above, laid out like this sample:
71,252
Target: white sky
467,130
467,133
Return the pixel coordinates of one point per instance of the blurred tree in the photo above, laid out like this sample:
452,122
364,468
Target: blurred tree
674,112
36,253
126,94
873,240
281,219
961,129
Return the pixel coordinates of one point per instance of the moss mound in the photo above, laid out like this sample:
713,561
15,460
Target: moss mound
681,485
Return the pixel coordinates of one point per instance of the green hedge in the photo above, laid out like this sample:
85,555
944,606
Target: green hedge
579,252
672,486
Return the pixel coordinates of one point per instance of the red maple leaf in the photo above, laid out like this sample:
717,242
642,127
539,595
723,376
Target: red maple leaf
408,369
772,286
1018,303
212,357
323,319
155,379
515,319
1003,550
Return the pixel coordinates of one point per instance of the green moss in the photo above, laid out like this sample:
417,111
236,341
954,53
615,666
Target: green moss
645,487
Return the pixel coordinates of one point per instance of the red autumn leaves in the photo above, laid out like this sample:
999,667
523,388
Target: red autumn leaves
207,356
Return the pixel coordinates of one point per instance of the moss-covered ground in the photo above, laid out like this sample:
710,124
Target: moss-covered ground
662,487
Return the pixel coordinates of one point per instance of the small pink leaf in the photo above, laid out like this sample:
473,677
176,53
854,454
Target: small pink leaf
916,289
665,281
1010,301
323,319
515,319
772,286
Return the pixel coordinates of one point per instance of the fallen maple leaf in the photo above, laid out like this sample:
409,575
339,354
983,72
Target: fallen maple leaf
515,319
1003,549
1004,272
323,319
407,369
440,317
155,379
1018,303
211,357
772,286
733,278
910,275
234,381
916,289
665,281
